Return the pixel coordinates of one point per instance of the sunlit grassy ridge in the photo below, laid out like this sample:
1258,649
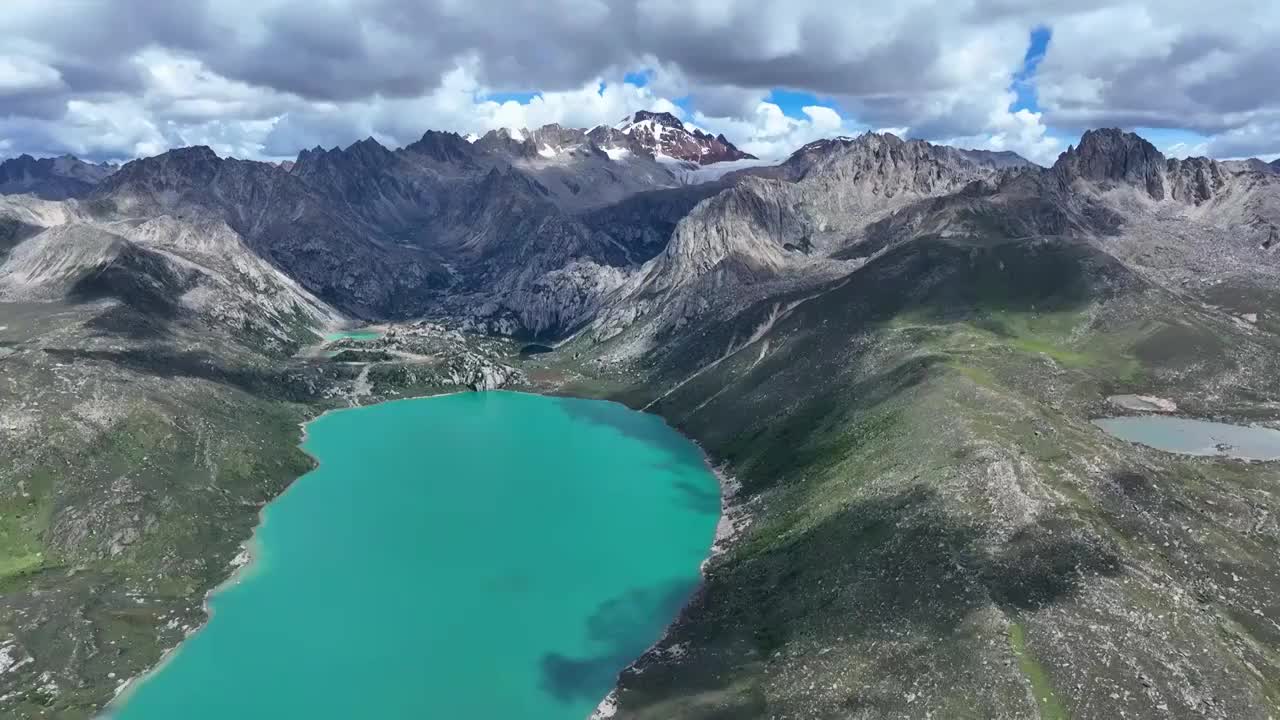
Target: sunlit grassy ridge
934,511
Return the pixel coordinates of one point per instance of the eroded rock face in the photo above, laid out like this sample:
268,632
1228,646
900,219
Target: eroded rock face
478,373
1113,156
1196,180
794,224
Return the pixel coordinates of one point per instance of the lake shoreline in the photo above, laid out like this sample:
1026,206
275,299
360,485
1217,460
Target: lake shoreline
732,519
242,564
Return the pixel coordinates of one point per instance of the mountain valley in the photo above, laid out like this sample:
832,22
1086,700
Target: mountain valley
891,350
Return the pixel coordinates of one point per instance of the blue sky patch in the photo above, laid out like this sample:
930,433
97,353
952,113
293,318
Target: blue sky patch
792,101
1166,139
520,97
638,78
1024,80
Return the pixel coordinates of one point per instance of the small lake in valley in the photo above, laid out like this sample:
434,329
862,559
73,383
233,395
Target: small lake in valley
1196,437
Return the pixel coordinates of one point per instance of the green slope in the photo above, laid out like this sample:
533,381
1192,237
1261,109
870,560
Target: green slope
937,526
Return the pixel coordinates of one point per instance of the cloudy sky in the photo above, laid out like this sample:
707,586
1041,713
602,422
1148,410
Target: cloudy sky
116,79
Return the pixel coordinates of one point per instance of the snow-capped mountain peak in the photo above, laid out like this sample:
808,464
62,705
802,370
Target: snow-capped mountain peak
664,134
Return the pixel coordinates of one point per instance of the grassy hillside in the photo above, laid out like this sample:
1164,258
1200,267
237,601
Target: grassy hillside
133,466
938,529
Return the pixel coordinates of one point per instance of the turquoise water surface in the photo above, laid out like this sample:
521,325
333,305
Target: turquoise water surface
480,555
357,335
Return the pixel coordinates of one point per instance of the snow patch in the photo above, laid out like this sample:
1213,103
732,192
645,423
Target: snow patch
673,163
547,151
715,171
614,153
691,173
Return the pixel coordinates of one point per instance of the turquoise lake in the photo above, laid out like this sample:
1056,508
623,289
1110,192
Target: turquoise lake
480,555
357,335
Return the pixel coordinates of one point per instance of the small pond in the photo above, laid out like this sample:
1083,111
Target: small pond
1196,437
359,335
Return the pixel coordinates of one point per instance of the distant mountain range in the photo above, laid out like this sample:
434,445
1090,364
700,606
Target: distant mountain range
51,178
542,232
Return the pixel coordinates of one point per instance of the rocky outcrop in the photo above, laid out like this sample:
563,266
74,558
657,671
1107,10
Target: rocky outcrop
479,373
1109,157
756,223
1195,180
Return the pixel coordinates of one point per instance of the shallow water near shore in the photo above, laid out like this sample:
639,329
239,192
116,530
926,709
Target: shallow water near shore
480,555
1196,437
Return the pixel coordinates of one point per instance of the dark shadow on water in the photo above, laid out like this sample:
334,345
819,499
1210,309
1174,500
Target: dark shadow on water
625,627
648,429
702,500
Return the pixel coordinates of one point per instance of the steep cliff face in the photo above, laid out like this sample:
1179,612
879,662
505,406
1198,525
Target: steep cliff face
1110,156
444,147
757,223
1195,180
1169,214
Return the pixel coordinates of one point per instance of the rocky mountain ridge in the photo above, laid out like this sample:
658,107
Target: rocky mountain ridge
499,233
51,178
